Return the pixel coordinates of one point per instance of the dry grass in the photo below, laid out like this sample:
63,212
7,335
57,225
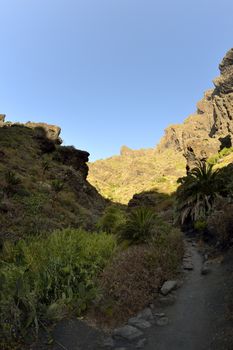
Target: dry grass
133,279
220,223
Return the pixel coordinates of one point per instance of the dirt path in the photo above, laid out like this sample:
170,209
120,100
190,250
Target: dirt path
197,319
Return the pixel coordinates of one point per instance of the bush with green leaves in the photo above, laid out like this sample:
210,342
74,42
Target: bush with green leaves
12,182
112,219
41,277
197,191
57,185
139,226
214,159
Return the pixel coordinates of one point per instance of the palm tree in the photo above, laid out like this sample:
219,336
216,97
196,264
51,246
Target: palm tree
197,191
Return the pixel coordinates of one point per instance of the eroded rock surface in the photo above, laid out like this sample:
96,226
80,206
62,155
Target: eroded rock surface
211,128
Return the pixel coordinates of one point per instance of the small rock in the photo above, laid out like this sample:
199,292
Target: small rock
108,342
127,332
168,286
161,314
141,343
146,314
139,323
187,266
206,257
163,321
205,269
168,300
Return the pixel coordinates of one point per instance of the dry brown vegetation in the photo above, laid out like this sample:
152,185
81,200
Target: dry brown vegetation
134,277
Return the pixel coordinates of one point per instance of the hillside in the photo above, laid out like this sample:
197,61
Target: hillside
201,135
43,184
120,177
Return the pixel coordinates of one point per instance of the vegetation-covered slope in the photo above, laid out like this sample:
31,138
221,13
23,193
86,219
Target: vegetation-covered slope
43,184
120,177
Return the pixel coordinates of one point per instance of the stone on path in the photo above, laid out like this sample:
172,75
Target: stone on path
160,314
187,265
139,323
141,343
146,314
127,332
108,343
162,321
205,269
168,286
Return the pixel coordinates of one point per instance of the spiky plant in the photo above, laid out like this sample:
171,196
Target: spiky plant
139,225
197,191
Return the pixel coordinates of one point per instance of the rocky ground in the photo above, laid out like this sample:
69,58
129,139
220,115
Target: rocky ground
192,313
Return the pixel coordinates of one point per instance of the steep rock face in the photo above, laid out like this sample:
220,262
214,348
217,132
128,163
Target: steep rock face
75,158
211,128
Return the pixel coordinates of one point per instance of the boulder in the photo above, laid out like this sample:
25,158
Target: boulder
168,286
139,323
146,314
127,332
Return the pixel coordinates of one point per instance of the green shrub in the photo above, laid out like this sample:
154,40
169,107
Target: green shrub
111,220
196,193
200,225
214,159
42,276
139,225
12,182
57,185
223,153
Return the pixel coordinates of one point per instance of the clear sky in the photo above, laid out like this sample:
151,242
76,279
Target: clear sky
109,72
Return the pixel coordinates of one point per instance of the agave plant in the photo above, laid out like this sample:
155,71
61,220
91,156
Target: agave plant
197,191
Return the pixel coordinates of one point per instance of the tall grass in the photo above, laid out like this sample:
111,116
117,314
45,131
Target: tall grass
41,278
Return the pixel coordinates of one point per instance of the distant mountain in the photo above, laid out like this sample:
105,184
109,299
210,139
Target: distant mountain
201,135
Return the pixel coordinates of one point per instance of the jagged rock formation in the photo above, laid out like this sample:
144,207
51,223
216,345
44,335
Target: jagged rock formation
211,128
43,185
201,135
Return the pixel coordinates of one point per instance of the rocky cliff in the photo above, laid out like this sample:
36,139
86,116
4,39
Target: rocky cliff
211,128
43,185
201,135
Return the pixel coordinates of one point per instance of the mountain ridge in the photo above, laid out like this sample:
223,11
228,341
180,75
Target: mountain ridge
201,135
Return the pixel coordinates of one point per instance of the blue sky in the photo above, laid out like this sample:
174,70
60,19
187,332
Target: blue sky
109,72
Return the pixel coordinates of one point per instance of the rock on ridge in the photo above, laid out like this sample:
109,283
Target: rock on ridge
52,132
